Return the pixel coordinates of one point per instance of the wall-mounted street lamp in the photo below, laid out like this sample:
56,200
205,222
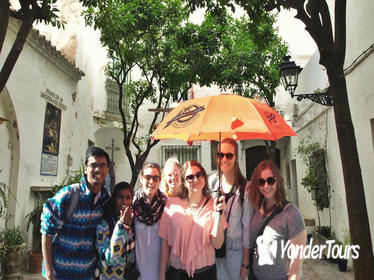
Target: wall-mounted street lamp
289,75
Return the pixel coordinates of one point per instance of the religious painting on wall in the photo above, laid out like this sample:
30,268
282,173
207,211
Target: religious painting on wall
51,135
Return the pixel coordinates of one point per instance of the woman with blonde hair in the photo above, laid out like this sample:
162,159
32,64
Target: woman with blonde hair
275,222
191,227
232,258
171,184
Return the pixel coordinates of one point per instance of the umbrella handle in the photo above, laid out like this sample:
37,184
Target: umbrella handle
219,192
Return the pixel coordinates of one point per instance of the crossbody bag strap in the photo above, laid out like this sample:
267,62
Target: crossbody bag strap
267,221
275,212
232,202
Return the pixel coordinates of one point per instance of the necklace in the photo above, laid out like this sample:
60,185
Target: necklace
193,205
264,211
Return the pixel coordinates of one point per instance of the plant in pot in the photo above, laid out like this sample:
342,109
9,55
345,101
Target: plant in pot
35,257
12,244
343,260
4,190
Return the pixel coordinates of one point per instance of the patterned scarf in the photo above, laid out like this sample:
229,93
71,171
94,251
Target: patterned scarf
148,212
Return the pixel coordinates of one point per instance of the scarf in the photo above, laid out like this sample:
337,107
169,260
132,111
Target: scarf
148,212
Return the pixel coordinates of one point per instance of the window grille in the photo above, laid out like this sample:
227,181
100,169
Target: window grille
112,93
182,152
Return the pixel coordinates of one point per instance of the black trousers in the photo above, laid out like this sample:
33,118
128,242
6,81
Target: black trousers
181,274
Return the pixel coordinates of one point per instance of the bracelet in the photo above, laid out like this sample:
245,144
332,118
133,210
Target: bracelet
126,226
245,266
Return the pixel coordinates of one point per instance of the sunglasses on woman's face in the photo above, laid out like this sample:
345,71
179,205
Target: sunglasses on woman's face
229,156
190,178
155,178
269,180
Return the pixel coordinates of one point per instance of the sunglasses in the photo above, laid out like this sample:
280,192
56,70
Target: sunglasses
190,178
229,156
155,178
269,180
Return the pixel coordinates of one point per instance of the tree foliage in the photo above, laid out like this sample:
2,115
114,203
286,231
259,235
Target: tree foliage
30,11
158,38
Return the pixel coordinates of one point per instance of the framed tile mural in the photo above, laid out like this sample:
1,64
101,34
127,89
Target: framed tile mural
51,140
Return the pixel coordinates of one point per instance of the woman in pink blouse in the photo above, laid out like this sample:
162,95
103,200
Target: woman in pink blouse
191,227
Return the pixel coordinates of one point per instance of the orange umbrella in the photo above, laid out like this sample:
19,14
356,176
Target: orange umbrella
223,116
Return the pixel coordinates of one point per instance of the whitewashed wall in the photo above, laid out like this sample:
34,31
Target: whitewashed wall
318,123
38,68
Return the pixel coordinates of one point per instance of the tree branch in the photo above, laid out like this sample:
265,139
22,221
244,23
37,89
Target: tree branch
15,50
4,20
340,31
16,14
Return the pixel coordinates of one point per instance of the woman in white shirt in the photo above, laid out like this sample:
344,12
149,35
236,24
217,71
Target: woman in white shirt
148,206
232,260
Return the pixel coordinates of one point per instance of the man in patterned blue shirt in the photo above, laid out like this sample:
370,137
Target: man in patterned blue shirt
74,253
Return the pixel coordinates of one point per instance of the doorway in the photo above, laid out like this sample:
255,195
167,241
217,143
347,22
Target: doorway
254,155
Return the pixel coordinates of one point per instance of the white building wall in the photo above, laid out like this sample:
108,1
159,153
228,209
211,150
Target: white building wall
317,122
38,68
360,86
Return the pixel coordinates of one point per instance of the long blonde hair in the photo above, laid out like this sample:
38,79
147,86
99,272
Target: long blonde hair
171,162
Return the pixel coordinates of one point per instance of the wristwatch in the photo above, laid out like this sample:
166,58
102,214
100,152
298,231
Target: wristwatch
245,266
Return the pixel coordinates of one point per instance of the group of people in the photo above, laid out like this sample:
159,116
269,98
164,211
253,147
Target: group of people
180,223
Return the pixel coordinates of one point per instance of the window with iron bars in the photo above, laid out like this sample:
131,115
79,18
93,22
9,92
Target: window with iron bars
112,93
182,152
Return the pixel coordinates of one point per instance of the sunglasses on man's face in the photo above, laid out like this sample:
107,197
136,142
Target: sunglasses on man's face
155,178
229,156
269,180
191,177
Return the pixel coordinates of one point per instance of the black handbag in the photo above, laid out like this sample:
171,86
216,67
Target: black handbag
221,252
131,272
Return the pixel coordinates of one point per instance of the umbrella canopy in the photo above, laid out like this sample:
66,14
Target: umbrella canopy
223,116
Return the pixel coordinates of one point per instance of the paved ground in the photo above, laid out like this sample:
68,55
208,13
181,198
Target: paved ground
324,270
312,270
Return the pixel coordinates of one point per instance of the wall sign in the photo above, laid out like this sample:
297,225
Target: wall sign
51,140
53,98
49,165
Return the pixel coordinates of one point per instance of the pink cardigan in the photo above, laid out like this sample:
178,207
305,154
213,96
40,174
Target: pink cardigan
189,236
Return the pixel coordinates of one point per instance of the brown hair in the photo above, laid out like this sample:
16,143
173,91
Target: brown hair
189,164
149,165
254,192
239,180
